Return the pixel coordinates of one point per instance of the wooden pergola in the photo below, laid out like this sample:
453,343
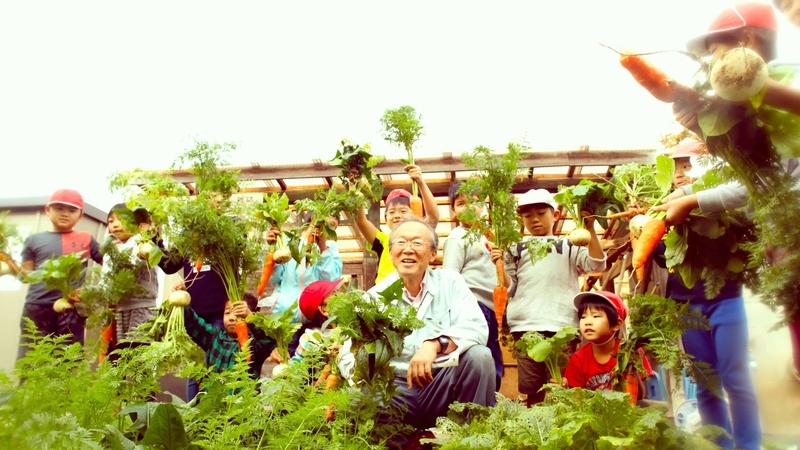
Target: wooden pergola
541,169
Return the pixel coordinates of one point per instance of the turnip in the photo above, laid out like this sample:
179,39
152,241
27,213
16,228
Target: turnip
278,369
179,298
61,305
739,74
5,269
637,224
282,256
144,249
580,237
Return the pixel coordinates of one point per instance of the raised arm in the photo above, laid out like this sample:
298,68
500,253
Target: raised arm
366,227
428,201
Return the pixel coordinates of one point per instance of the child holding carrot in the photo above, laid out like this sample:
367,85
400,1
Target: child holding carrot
541,295
600,316
221,344
64,209
474,263
398,207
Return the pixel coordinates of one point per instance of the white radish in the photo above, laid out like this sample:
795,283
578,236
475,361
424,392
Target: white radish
179,298
739,74
637,224
580,237
278,369
61,305
144,249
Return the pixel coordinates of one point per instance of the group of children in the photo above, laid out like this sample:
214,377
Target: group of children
544,296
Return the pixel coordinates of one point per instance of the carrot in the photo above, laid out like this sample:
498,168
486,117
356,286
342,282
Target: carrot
627,214
11,263
415,203
242,335
331,381
652,233
106,335
649,76
330,412
266,272
326,371
500,293
198,264
631,386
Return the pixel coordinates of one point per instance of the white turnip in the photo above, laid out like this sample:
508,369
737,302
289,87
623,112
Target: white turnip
144,249
282,256
278,369
637,224
5,269
179,298
61,305
739,74
580,237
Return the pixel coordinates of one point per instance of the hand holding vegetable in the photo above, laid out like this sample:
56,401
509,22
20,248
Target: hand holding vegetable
272,235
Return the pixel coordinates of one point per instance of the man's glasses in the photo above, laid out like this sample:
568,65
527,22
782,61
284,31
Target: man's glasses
416,244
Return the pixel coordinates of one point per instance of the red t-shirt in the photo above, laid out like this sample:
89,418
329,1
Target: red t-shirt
584,371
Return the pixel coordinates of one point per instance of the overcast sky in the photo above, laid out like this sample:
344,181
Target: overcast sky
90,88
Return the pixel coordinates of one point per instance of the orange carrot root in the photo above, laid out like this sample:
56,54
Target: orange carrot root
326,371
198,264
649,77
331,382
627,214
652,233
242,335
266,272
415,204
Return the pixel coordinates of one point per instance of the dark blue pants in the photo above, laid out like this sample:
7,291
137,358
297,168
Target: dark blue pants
493,343
724,347
50,322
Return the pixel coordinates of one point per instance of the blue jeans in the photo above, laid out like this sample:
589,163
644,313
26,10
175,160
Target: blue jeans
724,347
192,388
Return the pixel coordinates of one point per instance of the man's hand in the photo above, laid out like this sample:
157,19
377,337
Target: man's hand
414,172
240,309
272,235
420,367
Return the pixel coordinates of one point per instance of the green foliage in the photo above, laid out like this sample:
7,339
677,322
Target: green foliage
63,273
493,184
9,236
589,196
205,161
170,348
278,326
360,182
376,325
551,350
643,185
327,203
568,419
401,127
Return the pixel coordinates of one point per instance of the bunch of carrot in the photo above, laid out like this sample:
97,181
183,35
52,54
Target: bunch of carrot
328,377
242,335
652,233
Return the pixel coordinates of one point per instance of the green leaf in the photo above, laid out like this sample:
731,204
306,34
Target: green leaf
665,172
166,429
382,353
706,226
718,119
677,245
784,130
118,440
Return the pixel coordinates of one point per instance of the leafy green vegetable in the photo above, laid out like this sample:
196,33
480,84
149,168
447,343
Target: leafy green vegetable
9,236
401,127
169,344
549,350
588,196
643,185
278,326
359,180
63,273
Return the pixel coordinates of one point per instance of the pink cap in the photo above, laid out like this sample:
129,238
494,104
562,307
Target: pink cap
397,193
609,297
67,197
313,295
688,149
751,14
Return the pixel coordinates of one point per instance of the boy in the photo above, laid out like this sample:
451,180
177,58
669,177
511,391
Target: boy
594,366
474,263
541,295
65,209
397,208
221,345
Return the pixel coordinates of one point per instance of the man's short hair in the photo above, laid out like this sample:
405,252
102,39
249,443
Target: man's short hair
434,238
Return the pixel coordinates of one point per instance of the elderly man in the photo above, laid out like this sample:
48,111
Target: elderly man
447,359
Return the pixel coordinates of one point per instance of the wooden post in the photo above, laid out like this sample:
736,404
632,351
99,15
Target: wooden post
369,265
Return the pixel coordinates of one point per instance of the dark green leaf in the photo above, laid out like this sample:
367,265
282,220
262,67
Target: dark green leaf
166,429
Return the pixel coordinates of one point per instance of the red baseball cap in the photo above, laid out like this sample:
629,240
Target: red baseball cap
751,14
313,295
609,297
69,197
397,193
688,149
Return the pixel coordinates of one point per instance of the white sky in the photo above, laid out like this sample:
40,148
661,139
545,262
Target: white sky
90,88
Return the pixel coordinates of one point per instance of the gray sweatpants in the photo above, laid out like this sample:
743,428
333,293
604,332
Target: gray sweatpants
472,381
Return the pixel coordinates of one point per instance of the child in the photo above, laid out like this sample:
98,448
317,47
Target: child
594,366
474,263
65,209
313,306
221,344
397,208
541,295
134,311
291,278
790,9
